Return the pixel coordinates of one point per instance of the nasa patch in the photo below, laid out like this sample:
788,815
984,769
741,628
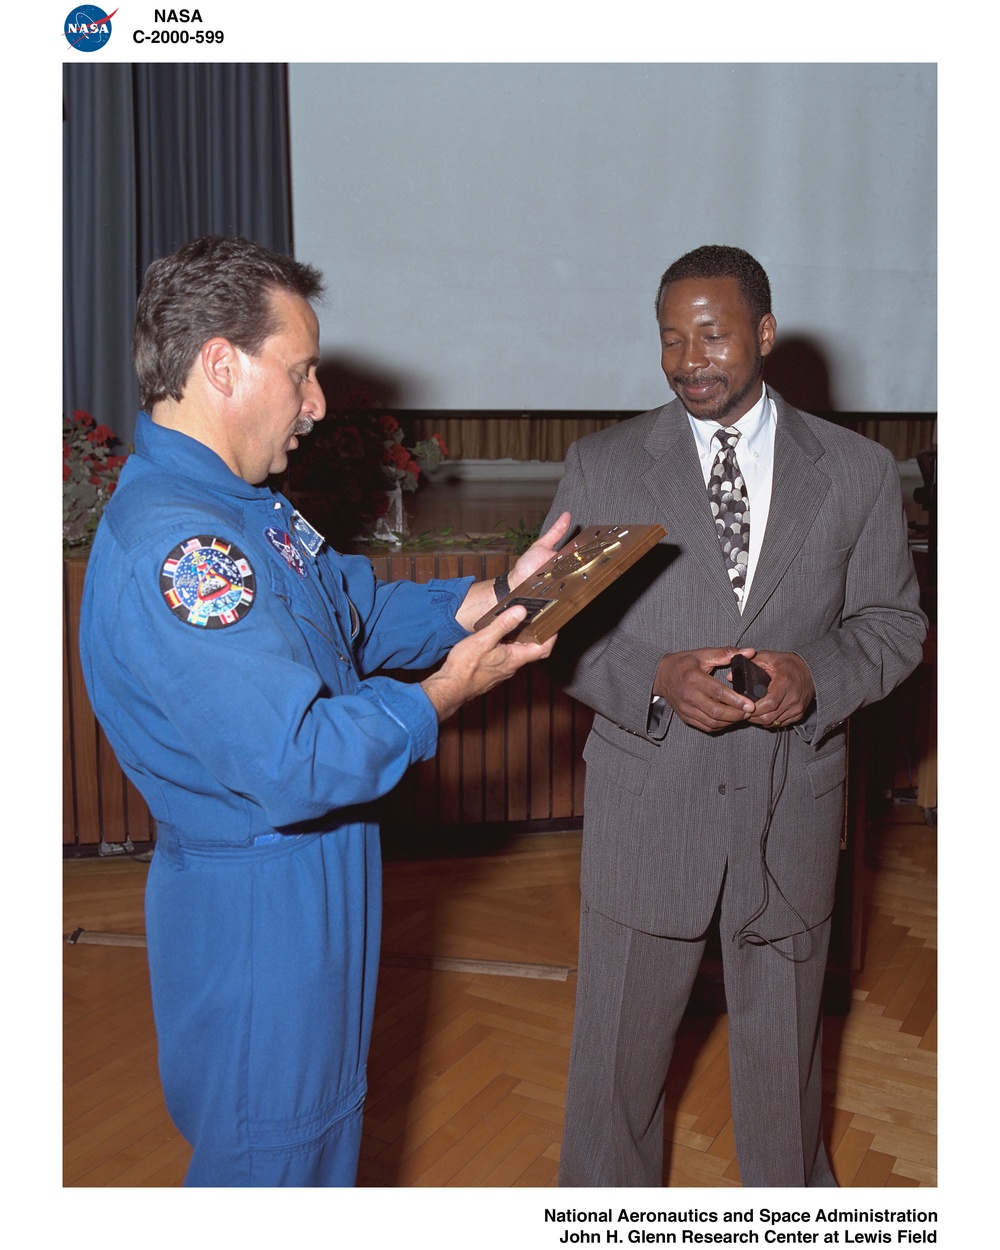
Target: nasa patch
284,545
207,582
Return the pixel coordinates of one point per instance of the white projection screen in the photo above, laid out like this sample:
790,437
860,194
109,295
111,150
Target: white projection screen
493,235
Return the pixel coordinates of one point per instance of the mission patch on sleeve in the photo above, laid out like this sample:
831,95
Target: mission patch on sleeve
208,582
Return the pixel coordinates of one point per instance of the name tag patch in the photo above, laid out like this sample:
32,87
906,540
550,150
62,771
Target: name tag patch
311,539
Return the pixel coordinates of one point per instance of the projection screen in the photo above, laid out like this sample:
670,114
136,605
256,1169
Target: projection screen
493,235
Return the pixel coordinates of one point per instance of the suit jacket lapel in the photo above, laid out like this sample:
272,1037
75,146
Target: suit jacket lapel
675,481
797,491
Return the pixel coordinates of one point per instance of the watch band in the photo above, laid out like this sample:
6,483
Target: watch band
501,587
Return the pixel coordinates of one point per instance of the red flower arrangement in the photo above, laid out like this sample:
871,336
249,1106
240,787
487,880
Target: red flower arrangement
90,474
346,471
401,465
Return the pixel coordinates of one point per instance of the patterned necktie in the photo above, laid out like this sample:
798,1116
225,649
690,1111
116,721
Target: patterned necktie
727,495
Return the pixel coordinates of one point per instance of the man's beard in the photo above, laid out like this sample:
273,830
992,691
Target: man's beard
730,402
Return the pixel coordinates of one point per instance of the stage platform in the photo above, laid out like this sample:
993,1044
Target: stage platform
477,505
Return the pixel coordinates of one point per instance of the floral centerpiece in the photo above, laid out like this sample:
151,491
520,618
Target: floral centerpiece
350,474
90,475
401,465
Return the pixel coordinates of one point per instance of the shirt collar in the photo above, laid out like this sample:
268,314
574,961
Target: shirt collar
183,454
752,426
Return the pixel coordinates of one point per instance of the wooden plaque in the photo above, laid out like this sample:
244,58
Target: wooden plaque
574,576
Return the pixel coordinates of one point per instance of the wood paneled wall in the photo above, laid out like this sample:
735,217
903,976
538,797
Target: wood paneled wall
512,437
513,755
100,804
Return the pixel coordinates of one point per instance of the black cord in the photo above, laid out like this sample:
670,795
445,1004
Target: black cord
745,935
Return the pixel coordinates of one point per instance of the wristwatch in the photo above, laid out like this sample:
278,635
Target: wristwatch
501,587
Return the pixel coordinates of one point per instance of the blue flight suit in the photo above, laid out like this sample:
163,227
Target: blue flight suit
226,650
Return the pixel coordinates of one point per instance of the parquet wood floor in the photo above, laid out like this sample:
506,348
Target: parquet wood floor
467,1071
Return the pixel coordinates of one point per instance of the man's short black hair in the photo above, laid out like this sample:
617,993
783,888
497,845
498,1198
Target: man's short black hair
717,261
215,286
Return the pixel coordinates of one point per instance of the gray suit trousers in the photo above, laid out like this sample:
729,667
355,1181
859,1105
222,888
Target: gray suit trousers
632,990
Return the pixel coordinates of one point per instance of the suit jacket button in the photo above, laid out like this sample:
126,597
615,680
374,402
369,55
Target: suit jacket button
722,787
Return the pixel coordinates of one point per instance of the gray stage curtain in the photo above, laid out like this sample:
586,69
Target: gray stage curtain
154,155
211,155
99,244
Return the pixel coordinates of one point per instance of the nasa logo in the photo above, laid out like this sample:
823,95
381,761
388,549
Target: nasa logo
88,28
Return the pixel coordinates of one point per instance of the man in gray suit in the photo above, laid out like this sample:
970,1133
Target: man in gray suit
698,798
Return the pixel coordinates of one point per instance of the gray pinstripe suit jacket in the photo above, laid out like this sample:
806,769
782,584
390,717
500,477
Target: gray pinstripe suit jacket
668,813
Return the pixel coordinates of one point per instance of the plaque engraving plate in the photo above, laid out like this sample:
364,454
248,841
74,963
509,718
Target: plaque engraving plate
574,577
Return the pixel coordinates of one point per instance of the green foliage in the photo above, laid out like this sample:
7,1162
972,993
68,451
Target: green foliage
520,537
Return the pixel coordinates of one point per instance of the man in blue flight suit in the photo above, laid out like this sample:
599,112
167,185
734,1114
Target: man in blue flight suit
234,662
